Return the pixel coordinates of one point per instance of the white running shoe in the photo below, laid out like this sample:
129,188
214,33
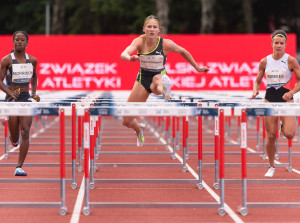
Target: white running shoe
167,84
270,172
140,137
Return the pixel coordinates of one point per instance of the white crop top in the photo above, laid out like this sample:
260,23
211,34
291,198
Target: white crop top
277,72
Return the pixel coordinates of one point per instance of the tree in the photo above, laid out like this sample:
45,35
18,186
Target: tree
208,17
58,17
162,9
247,8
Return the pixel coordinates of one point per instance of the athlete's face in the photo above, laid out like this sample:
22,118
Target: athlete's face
151,28
278,44
20,42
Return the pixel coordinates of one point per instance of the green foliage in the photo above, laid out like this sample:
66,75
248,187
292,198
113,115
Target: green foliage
184,16
26,15
106,17
127,16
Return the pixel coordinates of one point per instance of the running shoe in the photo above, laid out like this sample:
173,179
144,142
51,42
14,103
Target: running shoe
20,172
270,172
140,136
167,84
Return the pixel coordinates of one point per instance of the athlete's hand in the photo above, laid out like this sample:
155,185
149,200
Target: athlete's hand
287,96
203,69
134,58
15,93
36,97
255,93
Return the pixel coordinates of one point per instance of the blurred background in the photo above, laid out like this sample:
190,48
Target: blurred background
98,18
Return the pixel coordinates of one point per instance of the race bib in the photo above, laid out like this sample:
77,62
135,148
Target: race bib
22,73
152,62
276,77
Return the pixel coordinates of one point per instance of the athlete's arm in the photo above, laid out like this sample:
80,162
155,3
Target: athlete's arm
126,55
34,80
3,87
259,77
293,66
170,46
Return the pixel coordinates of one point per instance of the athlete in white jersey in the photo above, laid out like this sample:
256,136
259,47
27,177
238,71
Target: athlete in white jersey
19,69
278,68
152,78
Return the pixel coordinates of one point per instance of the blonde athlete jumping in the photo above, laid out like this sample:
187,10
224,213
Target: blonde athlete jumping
152,53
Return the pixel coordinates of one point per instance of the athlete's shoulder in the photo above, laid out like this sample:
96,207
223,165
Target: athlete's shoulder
263,63
264,60
138,41
140,38
6,59
32,59
292,60
168,43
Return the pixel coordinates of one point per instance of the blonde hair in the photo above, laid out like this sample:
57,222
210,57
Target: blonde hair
279,33
150,17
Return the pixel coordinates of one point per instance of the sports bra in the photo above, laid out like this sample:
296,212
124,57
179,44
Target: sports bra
19,73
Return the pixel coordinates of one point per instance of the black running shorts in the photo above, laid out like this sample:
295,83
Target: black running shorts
145,78
23,97
273,95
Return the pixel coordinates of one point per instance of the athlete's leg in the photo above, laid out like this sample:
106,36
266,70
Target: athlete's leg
13,124
138,94
271,123
288,126
161,84
25,122
156,85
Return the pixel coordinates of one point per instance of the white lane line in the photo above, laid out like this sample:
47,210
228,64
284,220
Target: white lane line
229,211
78,205
11,150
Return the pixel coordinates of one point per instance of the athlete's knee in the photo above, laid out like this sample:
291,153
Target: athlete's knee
14,137
271,137
25,132
156,79
289,135
127,121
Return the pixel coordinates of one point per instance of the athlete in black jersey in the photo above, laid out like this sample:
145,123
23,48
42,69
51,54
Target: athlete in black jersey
19,69
152,52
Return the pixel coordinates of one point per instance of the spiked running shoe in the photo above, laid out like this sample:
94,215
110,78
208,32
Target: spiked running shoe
270,172
20,172
140,136
167,84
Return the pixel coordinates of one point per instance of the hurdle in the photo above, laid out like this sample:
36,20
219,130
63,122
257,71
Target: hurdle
49,109
265,111
228,107
25,111
167,128
155,111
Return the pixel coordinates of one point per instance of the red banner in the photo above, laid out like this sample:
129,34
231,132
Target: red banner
92,62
